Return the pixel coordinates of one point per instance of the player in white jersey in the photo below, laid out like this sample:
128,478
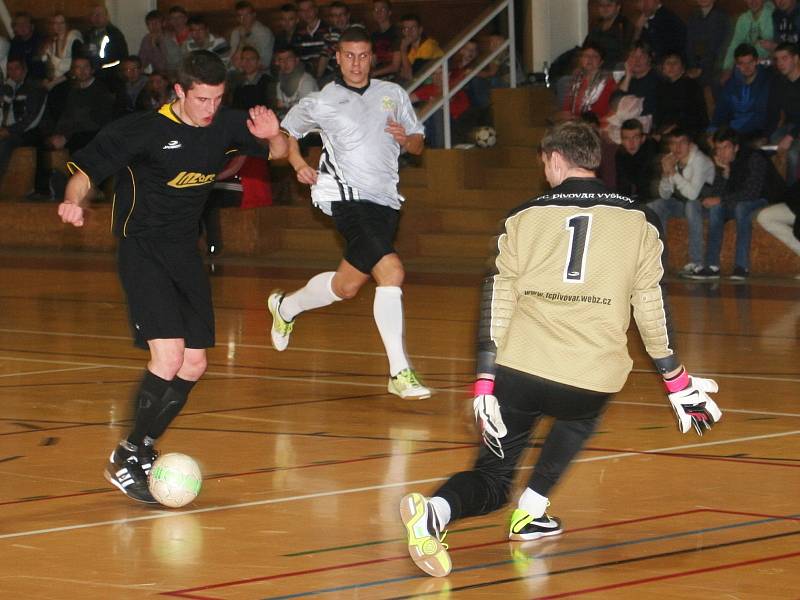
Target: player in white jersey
365,124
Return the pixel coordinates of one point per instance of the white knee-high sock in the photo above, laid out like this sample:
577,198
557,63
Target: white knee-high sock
533,503
316,293
442,510
388,312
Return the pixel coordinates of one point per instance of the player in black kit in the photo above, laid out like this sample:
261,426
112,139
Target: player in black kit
166,162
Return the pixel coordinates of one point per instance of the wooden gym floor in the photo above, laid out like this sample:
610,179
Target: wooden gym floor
305,456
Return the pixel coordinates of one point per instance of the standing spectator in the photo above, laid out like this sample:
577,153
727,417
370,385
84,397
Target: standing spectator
251,32
640,78
59,50
754,27
660,28
294,82
684,172
309,38
201,39
636,162
254,87
23,103
416,48
158,51
612,32
740,188
385,42
786,22
287,21
105,44
178,19
782,221
707,34
128,97
743,102
26,44
157,92
591,87
681,102
784,107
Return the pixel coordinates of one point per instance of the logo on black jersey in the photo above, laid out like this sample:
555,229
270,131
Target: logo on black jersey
173,145
185,179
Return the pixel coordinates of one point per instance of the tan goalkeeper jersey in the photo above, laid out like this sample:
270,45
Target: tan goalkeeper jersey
569,267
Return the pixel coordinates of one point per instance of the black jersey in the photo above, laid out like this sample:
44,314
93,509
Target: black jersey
165,168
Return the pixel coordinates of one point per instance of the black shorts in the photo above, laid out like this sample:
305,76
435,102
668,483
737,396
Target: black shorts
168,292
369,230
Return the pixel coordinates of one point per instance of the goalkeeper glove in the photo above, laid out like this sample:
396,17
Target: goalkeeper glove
488,417
690,400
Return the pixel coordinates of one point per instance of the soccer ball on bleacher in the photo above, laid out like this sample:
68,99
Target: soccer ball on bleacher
484,136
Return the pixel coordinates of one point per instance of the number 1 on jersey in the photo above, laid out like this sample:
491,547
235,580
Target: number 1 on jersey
579,227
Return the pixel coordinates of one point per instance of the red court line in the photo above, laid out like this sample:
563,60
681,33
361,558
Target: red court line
182,593
694,456
633,582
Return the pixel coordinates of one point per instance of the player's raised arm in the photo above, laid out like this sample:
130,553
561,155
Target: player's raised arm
71,210
264,125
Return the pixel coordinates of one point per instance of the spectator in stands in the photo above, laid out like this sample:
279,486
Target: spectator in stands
201,39
255,86
640,78
743,102
179,29
416,48
612,32
385,42
287,21
309,38
636,162
660,28
784,107
58,50
338,22
781,220
786,22
23,103
26,44
159,52
105,45
294,82
591,87
251,32
681,102
753,27
684,172
157,92
434,125
134,82
740,188
707,34
88,107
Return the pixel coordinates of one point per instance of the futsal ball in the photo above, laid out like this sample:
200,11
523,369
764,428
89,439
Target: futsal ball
175,479
484,136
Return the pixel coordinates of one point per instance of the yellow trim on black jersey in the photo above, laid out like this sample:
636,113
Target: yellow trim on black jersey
232,150
72,168
166,110
133,205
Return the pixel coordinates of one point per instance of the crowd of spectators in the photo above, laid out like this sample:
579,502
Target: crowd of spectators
703,115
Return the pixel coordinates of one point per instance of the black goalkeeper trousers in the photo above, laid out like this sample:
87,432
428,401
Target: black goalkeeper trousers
523,400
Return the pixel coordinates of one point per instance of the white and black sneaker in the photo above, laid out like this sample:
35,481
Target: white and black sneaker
125,472
147,455
525,527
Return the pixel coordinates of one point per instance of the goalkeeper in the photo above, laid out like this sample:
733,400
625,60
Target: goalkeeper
552,342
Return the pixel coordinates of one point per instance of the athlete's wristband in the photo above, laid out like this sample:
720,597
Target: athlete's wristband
677,383
483,387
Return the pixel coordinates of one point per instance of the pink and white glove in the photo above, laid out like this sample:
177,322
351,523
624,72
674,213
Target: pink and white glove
690,400
487,415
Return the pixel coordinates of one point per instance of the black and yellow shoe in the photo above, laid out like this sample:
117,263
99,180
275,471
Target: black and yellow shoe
424,538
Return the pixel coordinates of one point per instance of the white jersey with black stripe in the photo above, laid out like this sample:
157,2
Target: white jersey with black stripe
359,158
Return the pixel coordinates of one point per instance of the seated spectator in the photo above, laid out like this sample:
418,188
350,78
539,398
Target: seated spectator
287,20
591,87
309,37
743,102
201,39
58,50
707,33
338,22
434,125
498,72
786,22
158,51
784,107
416,48
781,220
754,27
156,93
684,172
681,102
178,27
385,42
637,162
640,78
251,32
105,45
294,82
23,103
479,88
26,44
607,169
134,82
660,28
740,188
254,88
612,32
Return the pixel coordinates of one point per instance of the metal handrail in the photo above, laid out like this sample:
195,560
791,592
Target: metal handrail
454,46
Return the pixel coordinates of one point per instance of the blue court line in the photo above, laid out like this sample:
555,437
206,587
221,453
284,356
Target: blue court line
584,550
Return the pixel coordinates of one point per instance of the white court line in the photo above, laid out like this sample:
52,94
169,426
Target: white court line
370,488
23,373
727,410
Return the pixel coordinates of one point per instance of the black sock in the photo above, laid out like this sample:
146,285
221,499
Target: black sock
148,405
170,406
